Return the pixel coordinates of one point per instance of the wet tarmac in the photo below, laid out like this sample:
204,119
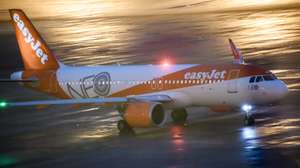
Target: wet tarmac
88,137
67,136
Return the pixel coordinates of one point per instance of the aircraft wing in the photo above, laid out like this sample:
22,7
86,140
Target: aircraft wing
152,98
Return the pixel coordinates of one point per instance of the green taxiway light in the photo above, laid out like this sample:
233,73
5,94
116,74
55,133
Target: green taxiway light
3,104
7,160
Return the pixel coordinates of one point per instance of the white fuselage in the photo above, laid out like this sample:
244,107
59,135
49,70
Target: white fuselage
110,81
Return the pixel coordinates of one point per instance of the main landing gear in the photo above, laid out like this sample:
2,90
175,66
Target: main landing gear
179,116
249,120
125,128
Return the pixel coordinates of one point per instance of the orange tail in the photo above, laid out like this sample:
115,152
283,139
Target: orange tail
35,53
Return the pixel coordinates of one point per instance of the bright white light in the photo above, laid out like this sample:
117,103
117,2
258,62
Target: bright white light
249,133
246,108
250,136
166,64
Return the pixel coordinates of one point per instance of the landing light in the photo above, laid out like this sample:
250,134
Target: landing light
247,107
248,133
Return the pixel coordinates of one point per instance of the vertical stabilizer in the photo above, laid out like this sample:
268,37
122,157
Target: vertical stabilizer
35,53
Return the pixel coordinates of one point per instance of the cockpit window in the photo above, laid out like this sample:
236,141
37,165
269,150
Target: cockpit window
259,79
268,77
274,76
252,79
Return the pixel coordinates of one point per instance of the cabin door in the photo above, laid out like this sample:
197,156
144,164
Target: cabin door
232,86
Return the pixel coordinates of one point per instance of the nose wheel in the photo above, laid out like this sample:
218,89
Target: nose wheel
249,119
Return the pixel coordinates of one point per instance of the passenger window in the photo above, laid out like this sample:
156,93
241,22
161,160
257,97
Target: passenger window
259,79
252,79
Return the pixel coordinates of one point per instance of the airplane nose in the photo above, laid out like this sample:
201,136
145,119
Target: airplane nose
281,90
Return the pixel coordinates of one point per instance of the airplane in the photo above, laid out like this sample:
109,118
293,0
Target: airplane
142,93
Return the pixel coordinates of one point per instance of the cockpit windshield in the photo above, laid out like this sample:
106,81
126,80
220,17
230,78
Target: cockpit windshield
268,77
261,78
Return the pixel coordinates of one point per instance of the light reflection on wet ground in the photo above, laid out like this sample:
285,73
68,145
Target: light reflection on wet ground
54,136
277,127
267,38
252,147
177,133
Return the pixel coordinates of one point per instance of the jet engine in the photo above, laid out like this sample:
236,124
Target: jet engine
144,114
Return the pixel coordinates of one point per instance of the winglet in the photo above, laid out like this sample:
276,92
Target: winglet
238,57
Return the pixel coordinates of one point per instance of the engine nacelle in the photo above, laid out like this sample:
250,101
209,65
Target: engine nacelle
144,114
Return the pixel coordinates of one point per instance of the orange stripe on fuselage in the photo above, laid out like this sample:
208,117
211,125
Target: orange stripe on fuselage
243,69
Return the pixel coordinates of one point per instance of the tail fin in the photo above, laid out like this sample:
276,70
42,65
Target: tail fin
35,53
238,57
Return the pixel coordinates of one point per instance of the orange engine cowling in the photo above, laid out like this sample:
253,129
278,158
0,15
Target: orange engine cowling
144,114
221,108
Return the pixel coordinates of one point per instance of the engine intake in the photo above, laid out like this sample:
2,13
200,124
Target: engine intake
144,114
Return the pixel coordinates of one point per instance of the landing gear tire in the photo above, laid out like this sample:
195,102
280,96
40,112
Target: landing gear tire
179,115
249,120
124,128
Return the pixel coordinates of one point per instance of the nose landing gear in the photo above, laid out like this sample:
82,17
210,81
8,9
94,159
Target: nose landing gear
249,120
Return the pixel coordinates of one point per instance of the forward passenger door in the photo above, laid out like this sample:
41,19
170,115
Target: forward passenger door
232,86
